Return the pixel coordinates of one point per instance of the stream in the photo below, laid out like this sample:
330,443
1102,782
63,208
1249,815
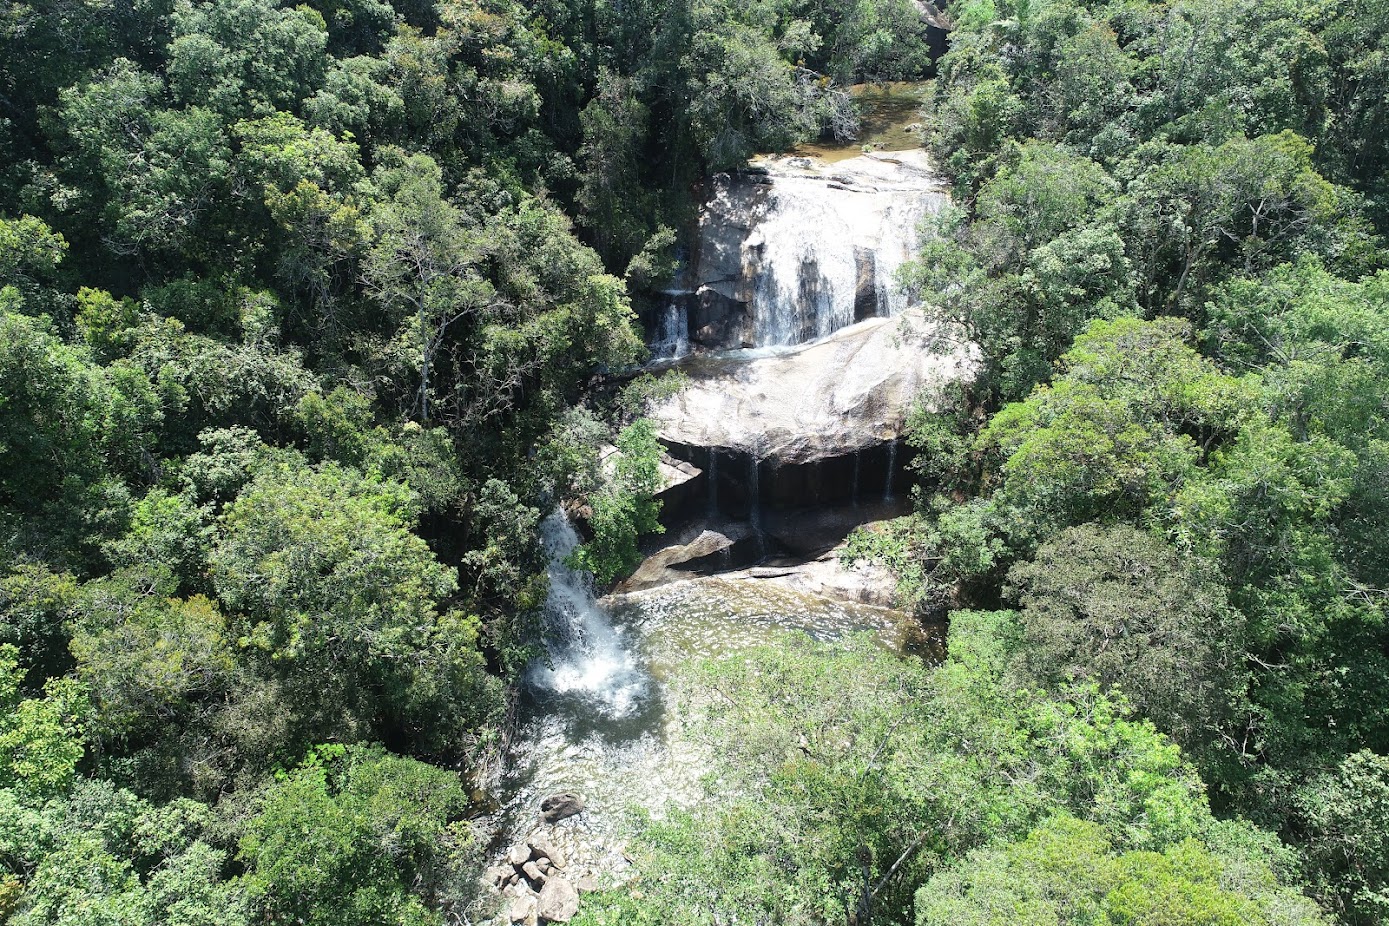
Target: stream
601,716
804,357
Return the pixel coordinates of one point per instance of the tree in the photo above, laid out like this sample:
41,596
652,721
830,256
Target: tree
1041,258
343,603
40,738
847,774
610,194
358,836
1119,607
1343,813
1066,872
245,56
624,506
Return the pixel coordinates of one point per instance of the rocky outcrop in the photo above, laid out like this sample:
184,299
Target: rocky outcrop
850,392
800,550
532,877
702,548
828,577
558,902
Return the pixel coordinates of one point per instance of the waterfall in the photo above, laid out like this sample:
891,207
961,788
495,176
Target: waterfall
853,495
754,501
587,658
825,244
672,340
891,470
713,477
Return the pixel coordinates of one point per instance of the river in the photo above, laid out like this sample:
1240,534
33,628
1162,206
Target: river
804,358
602,717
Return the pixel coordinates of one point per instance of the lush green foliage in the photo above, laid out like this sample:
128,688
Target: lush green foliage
849,777
1067,871
1167,247
298,341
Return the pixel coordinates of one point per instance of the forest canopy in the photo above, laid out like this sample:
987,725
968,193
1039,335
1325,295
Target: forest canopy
310,312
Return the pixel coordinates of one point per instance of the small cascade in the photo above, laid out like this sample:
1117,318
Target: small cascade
754,493
713,476
891,470
587,658
672,335
755,503
853,495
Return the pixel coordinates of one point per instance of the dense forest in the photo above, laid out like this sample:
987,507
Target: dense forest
310,313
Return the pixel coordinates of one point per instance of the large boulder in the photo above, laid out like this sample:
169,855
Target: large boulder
849,392
523,910
543,848
700,550
559,901
559,807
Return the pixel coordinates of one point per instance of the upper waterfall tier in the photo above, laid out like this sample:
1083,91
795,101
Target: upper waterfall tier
794,249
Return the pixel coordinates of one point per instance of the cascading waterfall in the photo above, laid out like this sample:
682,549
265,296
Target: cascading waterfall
891,470
672,341
789,254
828,254
587,658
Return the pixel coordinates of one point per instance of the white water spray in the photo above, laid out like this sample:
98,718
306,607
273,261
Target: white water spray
672,340
588,659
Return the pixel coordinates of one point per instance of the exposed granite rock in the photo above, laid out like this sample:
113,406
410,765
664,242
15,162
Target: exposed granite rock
544,848
848,392
559,901
523,910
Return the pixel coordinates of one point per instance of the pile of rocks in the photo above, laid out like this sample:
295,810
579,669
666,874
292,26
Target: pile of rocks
533,877
533,873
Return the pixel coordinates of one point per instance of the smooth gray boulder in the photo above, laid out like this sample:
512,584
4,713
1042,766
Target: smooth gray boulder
559,901
848,392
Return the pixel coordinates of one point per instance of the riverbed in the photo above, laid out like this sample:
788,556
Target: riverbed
607,716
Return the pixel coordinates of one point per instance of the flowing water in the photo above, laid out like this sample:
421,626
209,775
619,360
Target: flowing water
829,245
809,243
891,470
889,120
806,246
672,337
603,718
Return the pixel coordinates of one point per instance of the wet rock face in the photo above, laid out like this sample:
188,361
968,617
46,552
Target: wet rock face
794,249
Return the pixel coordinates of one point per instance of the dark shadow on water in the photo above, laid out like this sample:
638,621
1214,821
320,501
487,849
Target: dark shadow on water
582,718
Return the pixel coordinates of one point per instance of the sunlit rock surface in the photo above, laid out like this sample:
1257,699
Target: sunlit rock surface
848,392
795,248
